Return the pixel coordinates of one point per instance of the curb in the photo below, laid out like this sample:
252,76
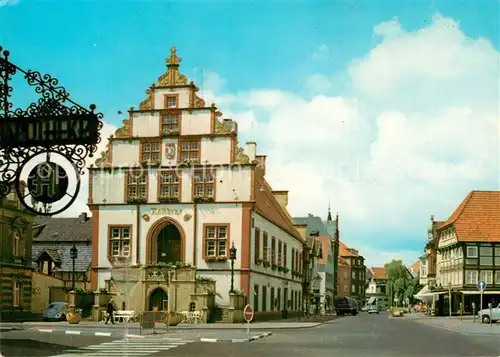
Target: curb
236,340
76,332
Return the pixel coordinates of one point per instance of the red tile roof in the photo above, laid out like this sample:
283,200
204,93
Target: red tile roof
416,266
325,247
344,250
379,273
477,218
268,207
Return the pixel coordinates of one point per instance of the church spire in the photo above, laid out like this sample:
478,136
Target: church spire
329,217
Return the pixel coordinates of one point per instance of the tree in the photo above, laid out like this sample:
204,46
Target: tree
398,281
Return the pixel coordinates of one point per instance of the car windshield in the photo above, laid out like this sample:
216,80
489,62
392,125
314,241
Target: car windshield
55,305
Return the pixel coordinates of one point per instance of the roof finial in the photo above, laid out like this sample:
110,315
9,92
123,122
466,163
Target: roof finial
173,60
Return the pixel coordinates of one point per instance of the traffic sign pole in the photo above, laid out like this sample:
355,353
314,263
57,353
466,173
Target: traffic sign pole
248,315
481,285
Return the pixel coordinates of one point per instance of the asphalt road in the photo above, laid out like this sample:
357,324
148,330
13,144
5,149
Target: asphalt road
363,335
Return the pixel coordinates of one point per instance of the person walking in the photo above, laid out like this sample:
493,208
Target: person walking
110,310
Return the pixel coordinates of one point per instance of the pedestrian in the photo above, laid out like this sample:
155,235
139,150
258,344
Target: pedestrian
110,310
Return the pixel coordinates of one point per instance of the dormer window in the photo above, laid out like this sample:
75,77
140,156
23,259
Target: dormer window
170,123
171,102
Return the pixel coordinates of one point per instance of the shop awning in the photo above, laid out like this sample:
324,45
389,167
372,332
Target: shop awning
477,292
423,292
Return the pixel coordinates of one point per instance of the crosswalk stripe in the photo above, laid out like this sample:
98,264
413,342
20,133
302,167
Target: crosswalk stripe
127,347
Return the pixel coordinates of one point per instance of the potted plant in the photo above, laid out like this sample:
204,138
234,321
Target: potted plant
173,318
74,317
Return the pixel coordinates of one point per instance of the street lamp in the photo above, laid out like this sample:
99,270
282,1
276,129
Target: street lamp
232,257
73,253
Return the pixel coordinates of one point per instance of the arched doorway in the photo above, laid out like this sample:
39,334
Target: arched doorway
159,299
169,245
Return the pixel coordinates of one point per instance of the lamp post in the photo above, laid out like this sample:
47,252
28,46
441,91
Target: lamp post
232,257
74,255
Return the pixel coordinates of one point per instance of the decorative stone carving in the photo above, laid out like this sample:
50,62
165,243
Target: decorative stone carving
240,156
225,127
124,131
199,103
147,104
155,275
104,160
172,77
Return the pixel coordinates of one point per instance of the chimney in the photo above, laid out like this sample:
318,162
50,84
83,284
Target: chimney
281,197
302,228
261,163
83,217
251,150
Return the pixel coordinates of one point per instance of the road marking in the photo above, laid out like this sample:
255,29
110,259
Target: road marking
45,330
208,339
71,332
102,333
130,347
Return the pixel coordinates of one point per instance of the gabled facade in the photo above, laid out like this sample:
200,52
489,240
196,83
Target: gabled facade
314,225
468,251
377,287
175,188
53,239
357,269
16,232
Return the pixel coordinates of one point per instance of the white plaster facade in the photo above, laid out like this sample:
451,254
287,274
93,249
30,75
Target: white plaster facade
214,187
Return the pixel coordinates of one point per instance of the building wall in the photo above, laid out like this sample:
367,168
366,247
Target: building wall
41,290
231,184
344,279
15,269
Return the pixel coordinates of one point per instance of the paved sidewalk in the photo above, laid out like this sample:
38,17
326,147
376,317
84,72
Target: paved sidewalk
136,327
239,339
465,326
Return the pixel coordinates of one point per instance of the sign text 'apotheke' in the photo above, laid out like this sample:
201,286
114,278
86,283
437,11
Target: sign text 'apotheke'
165,211
74,129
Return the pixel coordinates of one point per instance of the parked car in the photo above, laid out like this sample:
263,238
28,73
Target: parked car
486,316
56,311
346,305
373,309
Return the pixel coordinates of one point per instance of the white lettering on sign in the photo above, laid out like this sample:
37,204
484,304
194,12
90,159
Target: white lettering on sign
165,211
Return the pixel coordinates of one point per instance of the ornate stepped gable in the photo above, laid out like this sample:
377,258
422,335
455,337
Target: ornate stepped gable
173,78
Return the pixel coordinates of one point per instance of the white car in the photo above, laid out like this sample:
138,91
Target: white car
487,316
373,309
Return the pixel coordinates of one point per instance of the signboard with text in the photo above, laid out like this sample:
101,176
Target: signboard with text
75,129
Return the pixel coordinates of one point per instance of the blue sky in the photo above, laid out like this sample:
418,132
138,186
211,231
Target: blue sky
259,59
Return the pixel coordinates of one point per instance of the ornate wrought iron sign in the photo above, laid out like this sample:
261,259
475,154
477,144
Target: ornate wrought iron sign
52,127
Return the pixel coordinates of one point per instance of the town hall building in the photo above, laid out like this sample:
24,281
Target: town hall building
174,188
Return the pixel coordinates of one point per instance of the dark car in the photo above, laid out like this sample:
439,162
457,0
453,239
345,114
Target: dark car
346,306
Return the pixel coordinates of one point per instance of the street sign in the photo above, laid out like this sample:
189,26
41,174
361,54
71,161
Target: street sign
72,129
248,313
481,286
48,182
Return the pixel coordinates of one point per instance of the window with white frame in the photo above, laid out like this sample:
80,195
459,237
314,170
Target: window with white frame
216,237
17,289
471,252
119,241
486,276
471,277
204,184
353,288
497,277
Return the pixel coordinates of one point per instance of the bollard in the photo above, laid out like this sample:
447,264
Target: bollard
474,311
461,311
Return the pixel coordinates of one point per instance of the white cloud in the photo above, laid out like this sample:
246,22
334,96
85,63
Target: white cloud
417,130
8,2
322,52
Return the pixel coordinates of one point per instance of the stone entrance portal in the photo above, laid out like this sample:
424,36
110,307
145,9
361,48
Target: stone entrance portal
165,242
158,299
